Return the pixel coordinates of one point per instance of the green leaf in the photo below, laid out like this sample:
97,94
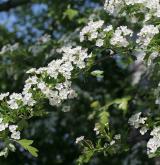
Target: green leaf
95,104
26,144
123,103
85,157
97,73
70,13
33,151
104,117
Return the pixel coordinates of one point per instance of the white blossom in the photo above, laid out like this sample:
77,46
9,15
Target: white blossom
154,143
91,30
28,99
117,137
4,152
16,96
15,135
3,126
32,70
99,42
112,142
3,95
146,35
108,28
79,139
13,98
12,104
96,129
114,7
12,128
32,80
136,120
12,147
119,36
143,130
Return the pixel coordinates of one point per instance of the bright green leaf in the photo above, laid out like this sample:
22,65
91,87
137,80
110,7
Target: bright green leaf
70,13
26,144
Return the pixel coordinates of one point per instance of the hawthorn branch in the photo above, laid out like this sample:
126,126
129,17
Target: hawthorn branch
6,6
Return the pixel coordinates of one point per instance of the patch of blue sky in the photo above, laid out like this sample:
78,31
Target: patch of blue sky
9,20
39,8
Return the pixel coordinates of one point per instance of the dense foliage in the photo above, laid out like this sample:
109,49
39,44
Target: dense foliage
80,79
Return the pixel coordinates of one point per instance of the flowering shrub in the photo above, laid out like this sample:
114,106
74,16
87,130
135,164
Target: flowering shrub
130,34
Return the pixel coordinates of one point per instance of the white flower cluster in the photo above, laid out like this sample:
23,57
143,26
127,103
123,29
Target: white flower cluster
138,122
119,36
15,134
9,47
63,91
91,30
12,128
102,35
154,143
13,100
71,58
16,100
3,95
146,35
95,31
27,94
114,7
